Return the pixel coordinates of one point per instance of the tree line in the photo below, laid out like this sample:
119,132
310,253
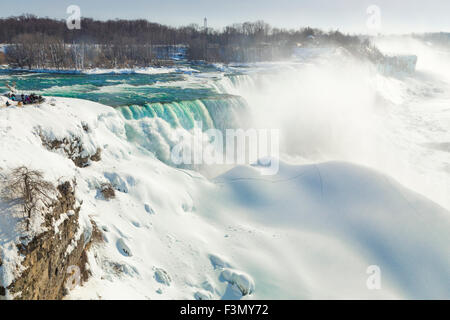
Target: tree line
35,42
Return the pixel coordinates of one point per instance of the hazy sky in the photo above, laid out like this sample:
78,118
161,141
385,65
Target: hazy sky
397,16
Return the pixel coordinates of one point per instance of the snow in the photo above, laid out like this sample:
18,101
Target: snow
63,217
162,277
310,231
241,280
118,182
3,101
10,260
136,70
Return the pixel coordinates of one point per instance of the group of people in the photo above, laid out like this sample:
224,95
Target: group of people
24,99
21,99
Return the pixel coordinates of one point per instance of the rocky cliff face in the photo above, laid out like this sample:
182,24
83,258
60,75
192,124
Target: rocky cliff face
73,148
48,257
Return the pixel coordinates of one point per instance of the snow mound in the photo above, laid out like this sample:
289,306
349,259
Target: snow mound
241,280
162,276
377,221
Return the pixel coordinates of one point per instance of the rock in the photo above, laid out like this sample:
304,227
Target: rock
73,148
107,191
48,256
97,156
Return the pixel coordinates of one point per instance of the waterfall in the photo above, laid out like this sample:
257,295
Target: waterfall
221,112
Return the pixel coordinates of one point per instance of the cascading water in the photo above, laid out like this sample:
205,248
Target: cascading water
221,113
159,127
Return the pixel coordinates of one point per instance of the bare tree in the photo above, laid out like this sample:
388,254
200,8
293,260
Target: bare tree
30,187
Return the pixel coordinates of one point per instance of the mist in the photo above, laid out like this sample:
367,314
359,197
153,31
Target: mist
338,108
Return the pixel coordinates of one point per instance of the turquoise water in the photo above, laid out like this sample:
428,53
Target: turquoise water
181,98
213,112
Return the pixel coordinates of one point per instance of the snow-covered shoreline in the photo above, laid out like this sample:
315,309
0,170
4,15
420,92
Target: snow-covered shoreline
93,71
